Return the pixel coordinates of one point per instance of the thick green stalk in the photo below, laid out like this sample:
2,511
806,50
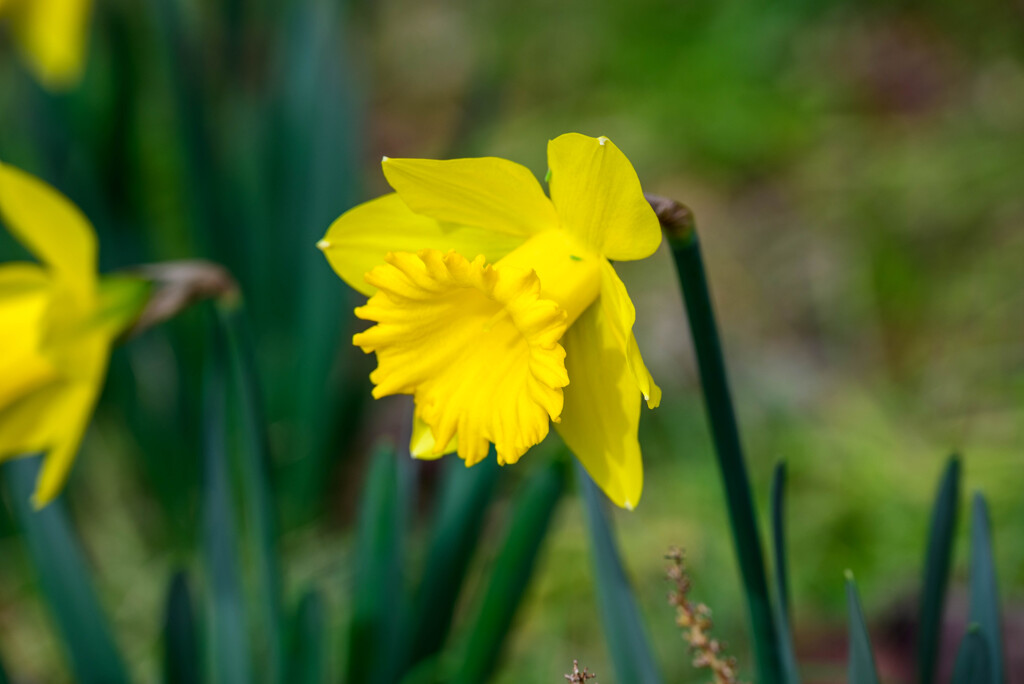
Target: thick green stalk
682,237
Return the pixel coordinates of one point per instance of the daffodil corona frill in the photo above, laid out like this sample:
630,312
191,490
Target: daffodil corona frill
497,308
52,37
58,320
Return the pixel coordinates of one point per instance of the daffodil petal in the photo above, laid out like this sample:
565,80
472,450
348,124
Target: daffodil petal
21,277
360,238
29,424
601,411
599,199
54,415
620,315
52,34
488,192
54,419
24,298
424,447
52,228
78,405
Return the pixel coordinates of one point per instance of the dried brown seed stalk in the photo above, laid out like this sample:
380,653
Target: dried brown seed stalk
695,621
578,677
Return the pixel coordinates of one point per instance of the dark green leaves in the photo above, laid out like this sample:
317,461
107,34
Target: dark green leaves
779,537
181,635
984,610
252,458
230,660
245,626
624,631
311,173
973,662
307,652
510,574
378,599
936,570
63,577
460,516
861,664
783,629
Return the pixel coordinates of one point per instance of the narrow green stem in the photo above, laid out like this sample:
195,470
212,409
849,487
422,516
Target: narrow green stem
725,433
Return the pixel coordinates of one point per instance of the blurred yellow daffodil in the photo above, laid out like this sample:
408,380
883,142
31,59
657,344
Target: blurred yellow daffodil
58,319
52,37
497,308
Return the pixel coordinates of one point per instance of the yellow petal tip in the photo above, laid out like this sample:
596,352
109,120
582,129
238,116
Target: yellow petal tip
628,505
323,244
602,140
385,159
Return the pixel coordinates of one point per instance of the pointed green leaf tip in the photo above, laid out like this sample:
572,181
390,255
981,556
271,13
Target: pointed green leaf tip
984,607
938,560
181,634
861,665
973,665
783,629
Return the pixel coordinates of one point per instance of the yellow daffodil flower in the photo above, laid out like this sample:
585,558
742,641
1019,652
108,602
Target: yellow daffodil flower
52,36
497,308
58,320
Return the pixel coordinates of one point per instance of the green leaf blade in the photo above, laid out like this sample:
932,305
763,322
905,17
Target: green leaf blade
181,635
307,653
973,659
984,608
861,665
230,659
511,573
460,518
783,629
378,594
252,457
64,578
624,630
938,561
314,173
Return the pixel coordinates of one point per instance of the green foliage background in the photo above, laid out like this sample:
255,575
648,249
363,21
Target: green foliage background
857,170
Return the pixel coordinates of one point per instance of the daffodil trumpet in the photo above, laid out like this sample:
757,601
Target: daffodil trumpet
58,320
497,308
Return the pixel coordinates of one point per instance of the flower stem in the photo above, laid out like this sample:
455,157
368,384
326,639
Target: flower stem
682,236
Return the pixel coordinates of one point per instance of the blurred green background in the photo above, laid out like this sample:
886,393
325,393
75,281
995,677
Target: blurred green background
857,173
